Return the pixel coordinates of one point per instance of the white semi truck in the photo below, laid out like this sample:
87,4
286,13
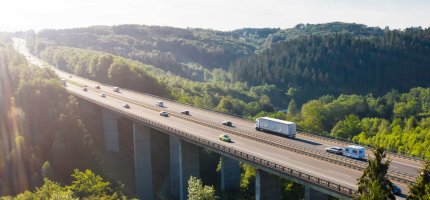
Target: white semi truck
276,126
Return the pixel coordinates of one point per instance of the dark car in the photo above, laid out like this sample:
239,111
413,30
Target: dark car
335,150
185,112
227,123
396,189
84,89
98,87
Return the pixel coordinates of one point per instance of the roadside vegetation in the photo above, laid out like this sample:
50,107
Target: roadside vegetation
84,185
42,136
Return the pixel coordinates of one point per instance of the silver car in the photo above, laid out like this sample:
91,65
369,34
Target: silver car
164,114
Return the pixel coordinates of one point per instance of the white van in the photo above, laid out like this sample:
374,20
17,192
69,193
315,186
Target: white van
159,104
354,151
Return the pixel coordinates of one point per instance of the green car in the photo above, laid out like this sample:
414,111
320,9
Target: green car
225,138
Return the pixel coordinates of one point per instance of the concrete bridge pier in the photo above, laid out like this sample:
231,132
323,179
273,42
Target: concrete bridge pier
175,143
142,161
184,163
230,174
267,186
110,131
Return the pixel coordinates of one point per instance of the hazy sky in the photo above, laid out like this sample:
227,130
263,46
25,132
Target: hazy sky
214,14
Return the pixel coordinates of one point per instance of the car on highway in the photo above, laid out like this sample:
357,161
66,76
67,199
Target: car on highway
227,123
70,76
335,150
225,138
116,89
164,114
396,189
185,112
159,104
84,89
125,105
97,87
103,95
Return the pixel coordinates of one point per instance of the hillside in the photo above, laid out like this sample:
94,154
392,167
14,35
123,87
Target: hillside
313,59
342,63
189,53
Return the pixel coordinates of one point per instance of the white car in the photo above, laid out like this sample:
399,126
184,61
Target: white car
103,95
125,105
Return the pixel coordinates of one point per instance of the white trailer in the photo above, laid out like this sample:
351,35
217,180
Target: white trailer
277,126
354,151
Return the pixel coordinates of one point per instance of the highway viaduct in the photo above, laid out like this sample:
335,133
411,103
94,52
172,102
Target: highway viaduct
302,160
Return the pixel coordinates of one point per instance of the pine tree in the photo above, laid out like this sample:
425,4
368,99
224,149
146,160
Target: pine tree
373,184
421,189
292,109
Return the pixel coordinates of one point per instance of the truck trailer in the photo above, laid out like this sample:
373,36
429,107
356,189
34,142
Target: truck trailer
276,126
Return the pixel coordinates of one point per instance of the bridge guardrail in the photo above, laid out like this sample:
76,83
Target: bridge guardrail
246,156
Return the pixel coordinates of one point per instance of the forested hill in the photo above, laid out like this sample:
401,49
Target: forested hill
173,49
185,52
342,63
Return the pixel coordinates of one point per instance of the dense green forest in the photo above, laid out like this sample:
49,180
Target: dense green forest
342,63
314,59
397,121
185,52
